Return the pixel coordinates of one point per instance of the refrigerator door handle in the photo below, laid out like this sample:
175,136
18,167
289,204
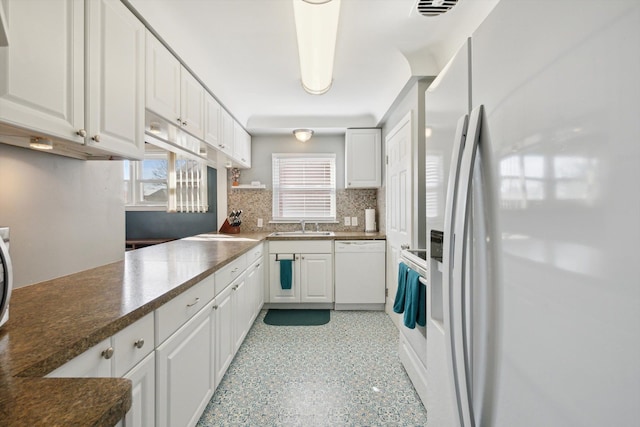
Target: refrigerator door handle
448,249
458,292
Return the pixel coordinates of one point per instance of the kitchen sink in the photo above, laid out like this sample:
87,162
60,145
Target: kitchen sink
301,233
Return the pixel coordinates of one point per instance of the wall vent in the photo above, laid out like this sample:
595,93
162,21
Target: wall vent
434,7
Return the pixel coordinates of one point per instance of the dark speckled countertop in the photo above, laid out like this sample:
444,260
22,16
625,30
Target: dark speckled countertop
54,321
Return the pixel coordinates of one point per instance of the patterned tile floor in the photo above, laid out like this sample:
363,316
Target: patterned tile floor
344,373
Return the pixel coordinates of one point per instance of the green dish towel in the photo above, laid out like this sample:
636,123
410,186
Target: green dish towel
285,273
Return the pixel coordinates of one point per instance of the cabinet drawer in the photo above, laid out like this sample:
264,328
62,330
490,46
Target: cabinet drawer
176,312
301,247
254,254
229,273
132,344
91,363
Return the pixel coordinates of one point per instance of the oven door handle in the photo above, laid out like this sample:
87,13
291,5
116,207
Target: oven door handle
5,259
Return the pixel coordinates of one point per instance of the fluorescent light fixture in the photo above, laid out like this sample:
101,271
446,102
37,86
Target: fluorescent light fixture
316,29
303,135
41,143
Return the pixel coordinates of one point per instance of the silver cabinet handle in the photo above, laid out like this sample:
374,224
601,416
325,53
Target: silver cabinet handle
184,123
234,270
235,287
81,133
193,303
404,246
139,343
215,307
96,138
108,353
179,120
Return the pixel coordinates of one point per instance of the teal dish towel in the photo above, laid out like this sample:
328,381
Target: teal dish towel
285,273
398,305
412,299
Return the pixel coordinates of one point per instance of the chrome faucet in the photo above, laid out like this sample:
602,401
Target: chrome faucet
302,224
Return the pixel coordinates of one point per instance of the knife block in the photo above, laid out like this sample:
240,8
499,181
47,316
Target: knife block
228,228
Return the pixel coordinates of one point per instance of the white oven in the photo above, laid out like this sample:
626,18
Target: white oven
413,342
6,275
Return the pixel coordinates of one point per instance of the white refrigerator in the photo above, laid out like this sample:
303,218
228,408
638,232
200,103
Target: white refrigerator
534,311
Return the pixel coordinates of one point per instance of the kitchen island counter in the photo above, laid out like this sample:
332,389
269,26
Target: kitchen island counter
54,321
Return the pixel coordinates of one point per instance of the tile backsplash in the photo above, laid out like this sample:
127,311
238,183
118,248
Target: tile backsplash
256,203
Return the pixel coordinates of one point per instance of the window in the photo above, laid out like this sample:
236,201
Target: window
166,181
304,187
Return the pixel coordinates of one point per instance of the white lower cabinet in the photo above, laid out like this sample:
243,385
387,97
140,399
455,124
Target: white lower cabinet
312,271
143,393
128,354
224,340
241,301
316,278
184,372
176,356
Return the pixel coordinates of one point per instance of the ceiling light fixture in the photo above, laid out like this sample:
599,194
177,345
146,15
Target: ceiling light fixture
316,29
303,135
41,143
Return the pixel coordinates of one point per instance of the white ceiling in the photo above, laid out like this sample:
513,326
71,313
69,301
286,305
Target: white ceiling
245,52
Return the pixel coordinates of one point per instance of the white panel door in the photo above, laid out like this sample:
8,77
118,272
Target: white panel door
163,81
316,278
115,79
42,72
399,200
241,311
226,144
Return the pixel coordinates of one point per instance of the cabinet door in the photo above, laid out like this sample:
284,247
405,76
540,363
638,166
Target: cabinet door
212,120
276,293
316,278
363,154
42,72
241,312
163,81
224,333
241,146
115,79
183,377
255,285
191,104
143,389
226,144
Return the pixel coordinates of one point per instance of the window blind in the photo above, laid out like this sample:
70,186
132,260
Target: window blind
304,186
187,185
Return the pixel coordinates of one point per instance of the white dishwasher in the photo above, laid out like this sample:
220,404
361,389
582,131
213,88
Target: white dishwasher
360,274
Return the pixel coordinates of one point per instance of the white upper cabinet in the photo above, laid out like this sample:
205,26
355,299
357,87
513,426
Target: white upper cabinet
228,125
115,79
163,81
241,146
191,104
172,92
74,76
212,120
363,158
42,71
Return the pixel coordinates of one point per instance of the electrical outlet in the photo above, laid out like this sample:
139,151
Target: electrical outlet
259,222
347,220
354,221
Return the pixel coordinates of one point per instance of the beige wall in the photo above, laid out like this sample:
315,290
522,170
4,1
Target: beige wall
65,215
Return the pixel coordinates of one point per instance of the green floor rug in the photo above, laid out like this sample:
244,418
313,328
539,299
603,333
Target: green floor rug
302,317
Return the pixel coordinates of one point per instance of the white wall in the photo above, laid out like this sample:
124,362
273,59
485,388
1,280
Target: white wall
412,100
65,215
263,146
